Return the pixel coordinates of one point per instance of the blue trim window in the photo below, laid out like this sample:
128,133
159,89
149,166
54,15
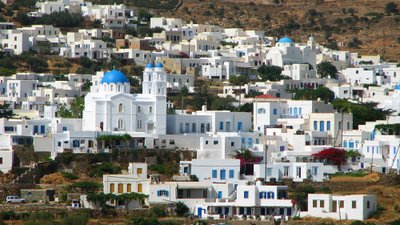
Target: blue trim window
243,140
367,149
231,174
351,144
162,193
250,141
222,174
315,125
275,111
239,126
282,148
321,125
64,129
314,170
344,144
328,125
214,173
221,125
246,194
262,195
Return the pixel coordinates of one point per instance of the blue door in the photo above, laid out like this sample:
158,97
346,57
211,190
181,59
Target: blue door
222,174
239,126
35,129
219,194
42,129
199,212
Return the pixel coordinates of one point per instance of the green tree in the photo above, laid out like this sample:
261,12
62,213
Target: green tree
75,110
181,209
323,93
35,64
239,81
391,7
271,73
362,112
300,195
222,103
326,69
6,111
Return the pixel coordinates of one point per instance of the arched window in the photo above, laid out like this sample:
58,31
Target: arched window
111,87
351,144
120,107
139,109
120,124
119,87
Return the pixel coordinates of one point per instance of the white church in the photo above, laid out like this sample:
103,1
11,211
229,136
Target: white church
286,52
109,106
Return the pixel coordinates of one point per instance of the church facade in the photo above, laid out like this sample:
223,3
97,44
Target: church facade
110,106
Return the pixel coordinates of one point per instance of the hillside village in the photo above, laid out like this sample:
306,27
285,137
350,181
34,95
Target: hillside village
110,115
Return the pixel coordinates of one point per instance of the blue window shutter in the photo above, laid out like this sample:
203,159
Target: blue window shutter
231,174
214,173
222,174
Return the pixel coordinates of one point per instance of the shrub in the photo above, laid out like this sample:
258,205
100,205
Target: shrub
104,168
8,215
391,7
181,209
395,222
70,176
158,211
75,219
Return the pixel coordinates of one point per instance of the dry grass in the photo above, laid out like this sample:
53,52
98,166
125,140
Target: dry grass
378,38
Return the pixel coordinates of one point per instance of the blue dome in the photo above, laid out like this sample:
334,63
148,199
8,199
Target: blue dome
285,40
397,87
159,65
149,65
114,76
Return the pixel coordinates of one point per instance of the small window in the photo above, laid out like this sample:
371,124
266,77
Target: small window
139,109
231,174
246,194
112,188
215,142
341,204
214,174
368,204
150,109
1,160
120,107
120,188
353,204
315,204
139,171
129,188
321,203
